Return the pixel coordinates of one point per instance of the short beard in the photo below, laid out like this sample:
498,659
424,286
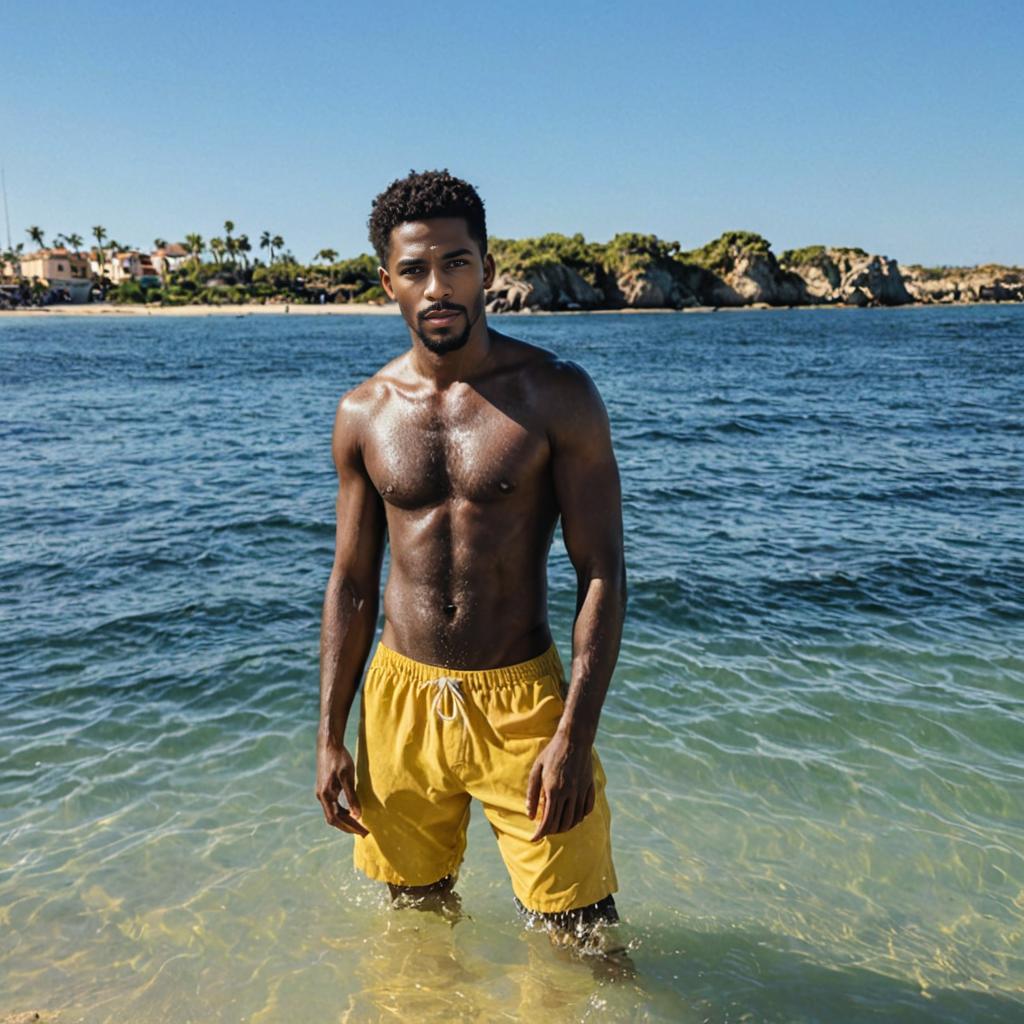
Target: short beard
441,346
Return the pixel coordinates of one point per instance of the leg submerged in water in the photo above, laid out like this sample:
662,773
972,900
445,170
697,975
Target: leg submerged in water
584,930
439,896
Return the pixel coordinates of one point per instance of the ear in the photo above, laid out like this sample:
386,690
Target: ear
385,283
490,269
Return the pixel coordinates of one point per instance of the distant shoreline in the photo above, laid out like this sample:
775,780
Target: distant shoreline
391,309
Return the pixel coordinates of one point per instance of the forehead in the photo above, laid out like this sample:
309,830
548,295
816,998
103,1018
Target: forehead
424,238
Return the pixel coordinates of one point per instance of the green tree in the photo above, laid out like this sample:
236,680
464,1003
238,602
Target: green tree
328,256
277,242
36,234
195,245
75,241
244,247
269,241
217,247
99,232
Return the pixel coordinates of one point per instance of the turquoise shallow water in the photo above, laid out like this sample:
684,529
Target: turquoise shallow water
814,738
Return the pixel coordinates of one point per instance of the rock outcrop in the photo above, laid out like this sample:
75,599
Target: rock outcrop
965,284
661,284
754,278
553,287
848,276
634,271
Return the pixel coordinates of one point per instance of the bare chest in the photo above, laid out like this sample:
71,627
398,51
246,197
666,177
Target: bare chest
425,455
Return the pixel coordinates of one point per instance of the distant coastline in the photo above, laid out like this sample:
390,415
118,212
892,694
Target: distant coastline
552,273
241,310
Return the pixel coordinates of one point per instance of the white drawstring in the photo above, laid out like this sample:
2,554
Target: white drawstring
448,684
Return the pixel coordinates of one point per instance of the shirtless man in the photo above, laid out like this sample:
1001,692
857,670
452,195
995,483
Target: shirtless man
463,453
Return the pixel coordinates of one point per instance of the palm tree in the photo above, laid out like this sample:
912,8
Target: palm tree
243,245
36,234
196,245
217,248
328,256
267,242
75,241
159,243
99,232
277,242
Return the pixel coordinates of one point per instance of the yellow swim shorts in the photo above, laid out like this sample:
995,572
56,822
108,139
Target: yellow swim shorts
432,738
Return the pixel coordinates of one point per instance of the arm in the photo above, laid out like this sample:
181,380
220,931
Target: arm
587,487
349,618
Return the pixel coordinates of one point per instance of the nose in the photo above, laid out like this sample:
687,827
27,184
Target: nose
438,286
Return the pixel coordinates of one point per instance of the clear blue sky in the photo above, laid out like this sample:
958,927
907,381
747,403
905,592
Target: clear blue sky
895,126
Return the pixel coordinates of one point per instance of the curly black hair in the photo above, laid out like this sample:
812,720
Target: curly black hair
421,196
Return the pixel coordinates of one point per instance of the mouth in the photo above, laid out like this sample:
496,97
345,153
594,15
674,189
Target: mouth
442,317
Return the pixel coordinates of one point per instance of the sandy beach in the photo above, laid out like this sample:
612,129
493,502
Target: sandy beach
275,309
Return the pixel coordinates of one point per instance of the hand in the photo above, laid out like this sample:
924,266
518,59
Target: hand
563,775
335,775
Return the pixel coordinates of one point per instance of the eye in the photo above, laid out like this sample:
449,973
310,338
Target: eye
457,263
409,271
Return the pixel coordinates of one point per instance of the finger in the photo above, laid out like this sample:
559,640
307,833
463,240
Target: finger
327,801
578,812
533,789
349,824
568,816
548,819
340,818
350,795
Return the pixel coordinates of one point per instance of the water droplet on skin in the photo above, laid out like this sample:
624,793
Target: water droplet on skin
505,487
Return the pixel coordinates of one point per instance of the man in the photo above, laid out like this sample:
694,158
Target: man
464,452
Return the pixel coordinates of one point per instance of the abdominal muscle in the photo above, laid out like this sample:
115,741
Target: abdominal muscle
467,586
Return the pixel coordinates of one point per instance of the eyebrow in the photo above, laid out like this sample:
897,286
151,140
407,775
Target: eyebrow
447,256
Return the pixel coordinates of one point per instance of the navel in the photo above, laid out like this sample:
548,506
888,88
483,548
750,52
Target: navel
506,487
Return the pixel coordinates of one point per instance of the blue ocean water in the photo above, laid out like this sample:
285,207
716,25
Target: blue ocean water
813,740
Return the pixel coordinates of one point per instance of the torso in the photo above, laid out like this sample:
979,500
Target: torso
465,478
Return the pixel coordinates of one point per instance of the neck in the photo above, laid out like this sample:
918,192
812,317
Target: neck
463,364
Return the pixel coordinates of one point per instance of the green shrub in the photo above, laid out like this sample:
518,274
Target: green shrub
720,255
798,257
126,291
374,294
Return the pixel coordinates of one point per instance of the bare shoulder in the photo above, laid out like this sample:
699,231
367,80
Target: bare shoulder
358,407
571,403
561,386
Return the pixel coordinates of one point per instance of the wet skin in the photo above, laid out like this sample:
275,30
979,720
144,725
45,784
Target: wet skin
463,453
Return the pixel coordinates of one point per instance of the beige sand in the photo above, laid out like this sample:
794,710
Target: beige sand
275,309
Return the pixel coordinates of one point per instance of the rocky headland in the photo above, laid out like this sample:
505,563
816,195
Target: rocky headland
558,272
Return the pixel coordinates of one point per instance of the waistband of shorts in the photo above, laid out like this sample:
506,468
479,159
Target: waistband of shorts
395,664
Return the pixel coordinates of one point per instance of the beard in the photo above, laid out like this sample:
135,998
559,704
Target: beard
445,341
